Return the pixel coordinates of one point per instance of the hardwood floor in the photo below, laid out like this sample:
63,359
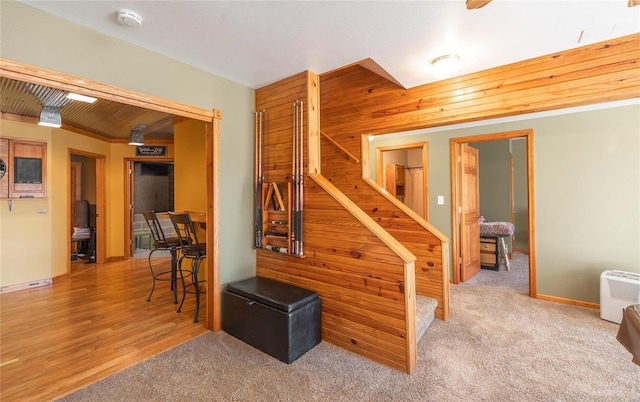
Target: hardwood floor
86,326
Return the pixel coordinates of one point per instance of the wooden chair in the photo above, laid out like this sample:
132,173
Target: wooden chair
191,249
162,242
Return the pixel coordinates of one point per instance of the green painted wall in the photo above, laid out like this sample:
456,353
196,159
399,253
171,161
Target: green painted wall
587,193
586,164
495,192
521,221
33,37
494,179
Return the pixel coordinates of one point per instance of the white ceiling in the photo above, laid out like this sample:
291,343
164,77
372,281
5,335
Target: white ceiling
260,42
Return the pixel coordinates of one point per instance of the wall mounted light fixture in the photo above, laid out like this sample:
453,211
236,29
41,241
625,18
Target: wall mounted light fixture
50,117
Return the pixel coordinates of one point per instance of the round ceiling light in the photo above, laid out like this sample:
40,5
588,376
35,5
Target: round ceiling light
128,18
446,66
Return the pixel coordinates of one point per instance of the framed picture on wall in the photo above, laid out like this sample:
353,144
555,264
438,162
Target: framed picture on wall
151,150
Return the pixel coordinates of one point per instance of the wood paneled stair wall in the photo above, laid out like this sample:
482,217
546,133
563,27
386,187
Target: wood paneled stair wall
427,243
365,277
350,266
356,102
367,287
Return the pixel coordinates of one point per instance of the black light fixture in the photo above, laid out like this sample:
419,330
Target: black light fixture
50,117
136,137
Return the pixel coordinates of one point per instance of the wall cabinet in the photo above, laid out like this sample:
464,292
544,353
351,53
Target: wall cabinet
24,168
394,180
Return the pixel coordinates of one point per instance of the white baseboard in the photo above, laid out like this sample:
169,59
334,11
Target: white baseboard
28,285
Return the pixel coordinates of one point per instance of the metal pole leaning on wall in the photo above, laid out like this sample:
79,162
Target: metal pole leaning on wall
301,180
259,176
294,189
297,180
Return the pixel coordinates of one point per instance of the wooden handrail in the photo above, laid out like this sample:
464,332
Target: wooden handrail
343,149
404,208
398,248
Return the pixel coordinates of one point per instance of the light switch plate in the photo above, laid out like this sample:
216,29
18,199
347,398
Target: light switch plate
441,200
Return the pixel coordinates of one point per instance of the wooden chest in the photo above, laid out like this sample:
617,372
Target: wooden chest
489,253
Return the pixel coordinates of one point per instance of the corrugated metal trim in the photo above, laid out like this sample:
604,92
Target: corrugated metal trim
109,119
16,99
48,96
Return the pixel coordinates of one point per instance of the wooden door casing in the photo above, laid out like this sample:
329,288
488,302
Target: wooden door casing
75,180
130,212
470,211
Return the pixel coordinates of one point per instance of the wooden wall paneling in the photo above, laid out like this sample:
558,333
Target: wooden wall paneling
212,234
312,123
4,155
431,269
277,101
504,91
347,270
504,79
355,101
423,240
586,75
307,275
361,283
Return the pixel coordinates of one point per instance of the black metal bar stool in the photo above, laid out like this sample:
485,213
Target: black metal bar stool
191,249
162,242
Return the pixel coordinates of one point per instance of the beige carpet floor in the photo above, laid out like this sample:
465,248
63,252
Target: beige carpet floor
498,345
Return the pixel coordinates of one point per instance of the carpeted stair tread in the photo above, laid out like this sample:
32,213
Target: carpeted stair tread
425,314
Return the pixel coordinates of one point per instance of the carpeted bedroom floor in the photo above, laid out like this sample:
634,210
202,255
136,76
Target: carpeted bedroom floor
498,345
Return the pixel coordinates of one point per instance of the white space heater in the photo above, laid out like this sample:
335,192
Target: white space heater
618,289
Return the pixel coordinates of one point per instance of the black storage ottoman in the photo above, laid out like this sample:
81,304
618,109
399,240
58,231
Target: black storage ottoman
279,319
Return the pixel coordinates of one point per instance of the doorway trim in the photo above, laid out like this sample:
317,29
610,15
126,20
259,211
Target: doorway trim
128,199
424,146
101,218
36,75
455,144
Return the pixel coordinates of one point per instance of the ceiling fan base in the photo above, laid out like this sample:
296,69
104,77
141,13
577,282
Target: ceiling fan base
475,4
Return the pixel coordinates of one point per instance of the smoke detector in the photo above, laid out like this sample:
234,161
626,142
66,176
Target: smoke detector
128,18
